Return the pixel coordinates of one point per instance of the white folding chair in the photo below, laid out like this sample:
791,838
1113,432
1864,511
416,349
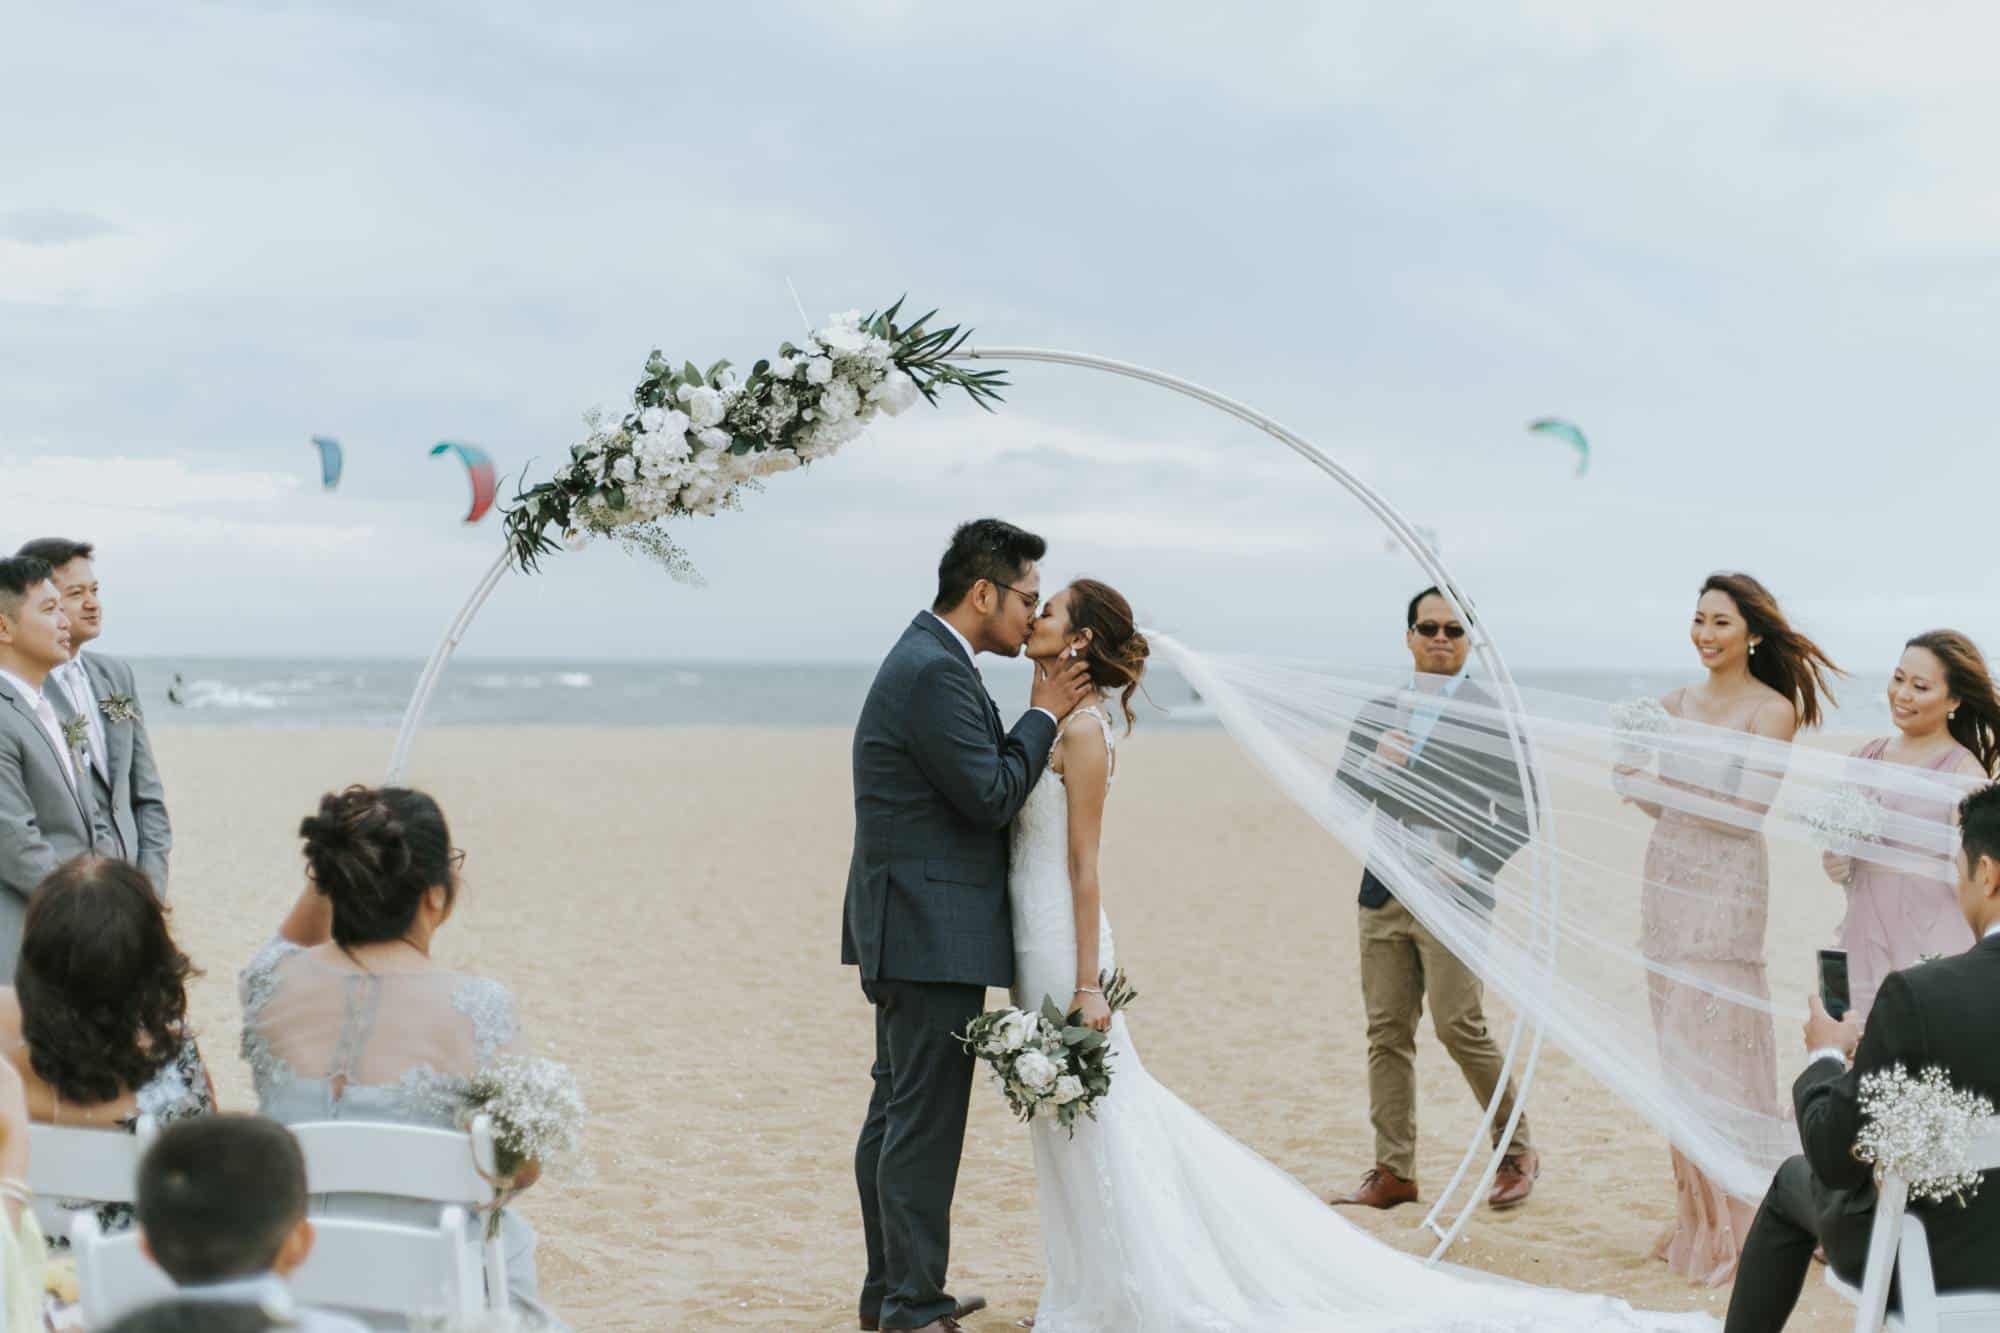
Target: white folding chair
1897,1243
68,1164
370,1268
409,1162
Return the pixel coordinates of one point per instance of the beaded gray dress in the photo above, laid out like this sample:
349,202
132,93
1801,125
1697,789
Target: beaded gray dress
325,1041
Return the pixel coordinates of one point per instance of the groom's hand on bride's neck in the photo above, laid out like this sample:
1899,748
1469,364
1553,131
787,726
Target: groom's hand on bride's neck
1061,689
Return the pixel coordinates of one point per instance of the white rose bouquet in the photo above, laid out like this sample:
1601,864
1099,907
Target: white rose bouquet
1841,817
1044,1061
1919,1128
1637,722
696,440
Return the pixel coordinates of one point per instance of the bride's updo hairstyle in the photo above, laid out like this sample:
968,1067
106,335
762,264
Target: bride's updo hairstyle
374,852
1116,651
1785,659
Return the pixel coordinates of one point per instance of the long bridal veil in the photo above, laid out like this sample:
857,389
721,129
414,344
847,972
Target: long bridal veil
1650,965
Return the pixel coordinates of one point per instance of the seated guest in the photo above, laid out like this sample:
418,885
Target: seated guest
96,1021
222,1211
1944,1013
23,1255
346,1016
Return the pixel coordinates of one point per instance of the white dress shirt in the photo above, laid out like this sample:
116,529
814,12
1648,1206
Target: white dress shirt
965,645
268,1292
71,677
45,713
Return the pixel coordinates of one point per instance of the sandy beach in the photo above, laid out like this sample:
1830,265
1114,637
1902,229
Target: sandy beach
665,905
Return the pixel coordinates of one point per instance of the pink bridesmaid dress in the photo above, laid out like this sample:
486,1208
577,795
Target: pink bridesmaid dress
1894,917
1703,912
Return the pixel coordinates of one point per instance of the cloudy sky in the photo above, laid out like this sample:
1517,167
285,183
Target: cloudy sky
1753,251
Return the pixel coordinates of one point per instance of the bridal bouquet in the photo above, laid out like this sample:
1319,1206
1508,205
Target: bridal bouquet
695,440
1842,817
537,1113
1043,1062
1919,1129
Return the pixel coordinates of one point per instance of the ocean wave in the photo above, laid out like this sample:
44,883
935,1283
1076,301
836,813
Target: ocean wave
221,694
495,680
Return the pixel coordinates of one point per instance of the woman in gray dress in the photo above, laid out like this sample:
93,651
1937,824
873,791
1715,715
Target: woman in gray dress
346,1016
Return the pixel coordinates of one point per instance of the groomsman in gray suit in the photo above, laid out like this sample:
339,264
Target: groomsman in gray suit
47,814
125,782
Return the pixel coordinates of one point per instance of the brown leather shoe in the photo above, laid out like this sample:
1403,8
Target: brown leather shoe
970,1305
1515,1180
1380,1188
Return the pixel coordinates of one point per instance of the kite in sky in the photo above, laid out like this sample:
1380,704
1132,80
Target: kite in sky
478,470
1564,431
330,459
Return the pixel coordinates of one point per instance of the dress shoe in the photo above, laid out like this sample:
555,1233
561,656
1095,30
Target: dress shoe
970,1305
1380,1188
1515,1180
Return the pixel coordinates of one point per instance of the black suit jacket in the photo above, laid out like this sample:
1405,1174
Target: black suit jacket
937,780
1946,1013
1464,779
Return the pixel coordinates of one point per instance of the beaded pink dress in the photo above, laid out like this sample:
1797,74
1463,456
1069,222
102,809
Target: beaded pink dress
1894,917
1705,905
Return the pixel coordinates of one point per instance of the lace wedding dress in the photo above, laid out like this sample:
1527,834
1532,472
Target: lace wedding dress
1154,1220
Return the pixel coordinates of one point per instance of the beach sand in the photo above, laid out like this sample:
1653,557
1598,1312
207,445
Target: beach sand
665,904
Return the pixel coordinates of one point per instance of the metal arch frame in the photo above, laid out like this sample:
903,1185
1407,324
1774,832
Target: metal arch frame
1540,815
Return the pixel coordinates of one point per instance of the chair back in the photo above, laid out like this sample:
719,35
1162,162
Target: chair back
71,1164
1898,1243
366,1267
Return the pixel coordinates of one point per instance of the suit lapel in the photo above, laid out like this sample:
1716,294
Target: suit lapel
931,625
117,735
64,771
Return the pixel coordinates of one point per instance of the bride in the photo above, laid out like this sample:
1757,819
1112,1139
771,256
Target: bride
1152,1218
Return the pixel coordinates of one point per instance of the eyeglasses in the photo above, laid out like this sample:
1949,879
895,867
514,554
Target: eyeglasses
1428,629
457,859
1034,602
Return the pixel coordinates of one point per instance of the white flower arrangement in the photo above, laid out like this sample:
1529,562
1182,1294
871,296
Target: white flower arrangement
1637,721
695,441
1041,1060
1919,1129
537,1111
1841,817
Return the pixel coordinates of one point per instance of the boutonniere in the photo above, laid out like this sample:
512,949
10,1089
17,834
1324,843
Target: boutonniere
76,734
120,708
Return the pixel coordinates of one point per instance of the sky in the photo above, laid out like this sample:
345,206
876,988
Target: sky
1753,251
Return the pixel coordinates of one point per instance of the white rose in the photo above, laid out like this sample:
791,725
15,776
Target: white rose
819,370
845,338
773,461
896,392
652,420
783,368
576,539
624,469
1035,1071
839,401
703,404
713,437
1015,1029
1068,1088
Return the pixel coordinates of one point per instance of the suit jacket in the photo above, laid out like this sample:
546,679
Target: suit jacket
44,820
1470,784
134,798
1946,1013
937,780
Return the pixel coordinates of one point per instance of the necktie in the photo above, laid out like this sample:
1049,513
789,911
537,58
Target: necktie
70,687
52,720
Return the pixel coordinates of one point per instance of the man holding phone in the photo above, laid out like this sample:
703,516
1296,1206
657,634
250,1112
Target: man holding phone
1942,1014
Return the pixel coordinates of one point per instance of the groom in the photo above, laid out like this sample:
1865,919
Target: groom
937,780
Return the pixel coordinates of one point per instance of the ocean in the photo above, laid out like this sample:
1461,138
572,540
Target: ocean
314,692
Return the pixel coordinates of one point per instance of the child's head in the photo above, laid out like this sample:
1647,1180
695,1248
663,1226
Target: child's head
224,1197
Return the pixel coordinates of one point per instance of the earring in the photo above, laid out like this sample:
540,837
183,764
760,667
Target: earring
1753,650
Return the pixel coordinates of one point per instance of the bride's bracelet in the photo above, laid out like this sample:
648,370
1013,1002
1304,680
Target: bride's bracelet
1088,990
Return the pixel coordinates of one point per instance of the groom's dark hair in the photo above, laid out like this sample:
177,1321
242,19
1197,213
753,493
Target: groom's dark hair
986,548
1979,824
18,574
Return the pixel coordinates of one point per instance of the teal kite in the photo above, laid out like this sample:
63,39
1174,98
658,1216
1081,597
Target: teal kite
1564,431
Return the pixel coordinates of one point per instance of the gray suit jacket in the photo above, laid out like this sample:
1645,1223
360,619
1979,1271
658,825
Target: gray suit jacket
136,801
44,821
937,780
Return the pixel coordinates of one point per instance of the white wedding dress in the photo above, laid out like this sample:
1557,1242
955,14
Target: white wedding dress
1156,1221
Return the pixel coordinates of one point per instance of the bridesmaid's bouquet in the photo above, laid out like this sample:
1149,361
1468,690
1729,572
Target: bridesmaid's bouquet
1841,817
1919,1129
1637,722
1041,1060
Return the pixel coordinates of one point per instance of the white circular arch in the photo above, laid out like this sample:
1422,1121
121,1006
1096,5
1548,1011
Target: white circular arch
1541,817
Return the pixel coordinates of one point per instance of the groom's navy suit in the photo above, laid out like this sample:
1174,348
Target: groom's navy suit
937,780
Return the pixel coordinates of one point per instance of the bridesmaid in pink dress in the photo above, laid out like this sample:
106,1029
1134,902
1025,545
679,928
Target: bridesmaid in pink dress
1707,897
1941,699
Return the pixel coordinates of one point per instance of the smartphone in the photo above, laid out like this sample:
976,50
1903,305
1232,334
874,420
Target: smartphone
1833,982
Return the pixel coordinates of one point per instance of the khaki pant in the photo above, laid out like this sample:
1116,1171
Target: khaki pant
1400,963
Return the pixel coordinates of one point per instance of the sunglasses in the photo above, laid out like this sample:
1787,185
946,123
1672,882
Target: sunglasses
1428,629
